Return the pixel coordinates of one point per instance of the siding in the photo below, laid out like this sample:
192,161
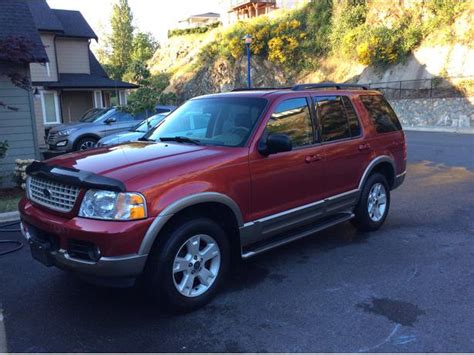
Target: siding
39,121
16,127
38,71
73,56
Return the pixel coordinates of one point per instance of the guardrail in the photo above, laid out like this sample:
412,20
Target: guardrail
436,87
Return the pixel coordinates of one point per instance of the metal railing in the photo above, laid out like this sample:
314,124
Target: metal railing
437,87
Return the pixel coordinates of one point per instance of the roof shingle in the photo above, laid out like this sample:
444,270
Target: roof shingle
74,24
15,22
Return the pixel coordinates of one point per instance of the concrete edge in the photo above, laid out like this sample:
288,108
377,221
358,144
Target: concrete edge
9,217
440,129
3,334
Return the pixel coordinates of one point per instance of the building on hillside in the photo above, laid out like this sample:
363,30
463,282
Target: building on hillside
245,9
72,81
199,20
17,125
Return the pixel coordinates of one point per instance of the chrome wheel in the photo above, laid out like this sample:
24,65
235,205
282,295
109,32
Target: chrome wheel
377,202
85,145
196,265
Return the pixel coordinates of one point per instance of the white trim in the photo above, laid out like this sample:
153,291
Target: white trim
56,105
122,99
100,103
48,70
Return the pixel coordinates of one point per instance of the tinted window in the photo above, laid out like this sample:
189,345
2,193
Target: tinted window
292,117
226,121
354,125
332,117
382,115
123,117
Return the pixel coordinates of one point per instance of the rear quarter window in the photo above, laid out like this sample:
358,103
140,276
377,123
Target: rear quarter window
382,115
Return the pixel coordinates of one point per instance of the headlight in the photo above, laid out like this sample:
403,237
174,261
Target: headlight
66,132
109,205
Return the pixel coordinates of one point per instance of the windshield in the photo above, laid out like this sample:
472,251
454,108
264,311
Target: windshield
226,121
149,123
94,114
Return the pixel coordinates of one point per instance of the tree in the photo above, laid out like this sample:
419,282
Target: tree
144,46
121,38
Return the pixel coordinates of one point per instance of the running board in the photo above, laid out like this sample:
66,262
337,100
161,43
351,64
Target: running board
276,242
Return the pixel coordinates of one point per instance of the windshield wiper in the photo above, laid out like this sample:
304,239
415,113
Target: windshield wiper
145,139
180,139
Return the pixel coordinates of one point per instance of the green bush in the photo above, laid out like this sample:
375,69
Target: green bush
188,31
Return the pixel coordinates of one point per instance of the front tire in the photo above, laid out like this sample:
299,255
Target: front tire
374,203
86,144
188,264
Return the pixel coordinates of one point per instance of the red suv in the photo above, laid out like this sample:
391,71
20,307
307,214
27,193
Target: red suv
226,175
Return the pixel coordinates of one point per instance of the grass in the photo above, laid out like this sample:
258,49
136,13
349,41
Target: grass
9,199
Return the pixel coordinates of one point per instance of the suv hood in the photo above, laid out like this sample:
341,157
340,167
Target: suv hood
136,160
65,126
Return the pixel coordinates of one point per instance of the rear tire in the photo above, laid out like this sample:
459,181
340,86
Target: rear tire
373,205
187,264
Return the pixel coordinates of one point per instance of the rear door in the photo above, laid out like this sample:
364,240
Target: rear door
287,180
341,134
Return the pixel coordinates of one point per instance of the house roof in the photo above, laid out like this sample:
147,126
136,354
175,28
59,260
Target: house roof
44,17
205,15
74,24
16,21
65,22
85,81
96,68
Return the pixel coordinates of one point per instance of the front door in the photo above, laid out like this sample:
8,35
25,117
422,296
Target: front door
286,185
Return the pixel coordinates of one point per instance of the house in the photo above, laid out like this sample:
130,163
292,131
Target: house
245,9
72,81
199,20
17,124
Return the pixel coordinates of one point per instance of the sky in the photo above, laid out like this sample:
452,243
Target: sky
155,16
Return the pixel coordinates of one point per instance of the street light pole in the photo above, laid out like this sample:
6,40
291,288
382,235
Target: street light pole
248,40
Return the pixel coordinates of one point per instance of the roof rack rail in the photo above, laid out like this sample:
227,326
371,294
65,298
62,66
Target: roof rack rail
261,89
300,87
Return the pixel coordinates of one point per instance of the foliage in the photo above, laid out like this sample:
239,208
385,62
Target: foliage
143,47
19,175
121,38
148,95
187,31
3,149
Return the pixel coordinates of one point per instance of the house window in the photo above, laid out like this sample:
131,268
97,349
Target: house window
50,106
98,103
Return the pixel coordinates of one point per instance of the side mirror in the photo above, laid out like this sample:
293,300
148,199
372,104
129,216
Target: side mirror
275,143
110,120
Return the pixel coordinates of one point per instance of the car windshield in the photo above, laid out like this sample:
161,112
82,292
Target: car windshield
224,121
149,123
94,114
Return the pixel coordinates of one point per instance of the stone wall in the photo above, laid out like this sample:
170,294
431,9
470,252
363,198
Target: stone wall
453,113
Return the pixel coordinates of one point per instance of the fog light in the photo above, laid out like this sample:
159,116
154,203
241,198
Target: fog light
94,254
61,144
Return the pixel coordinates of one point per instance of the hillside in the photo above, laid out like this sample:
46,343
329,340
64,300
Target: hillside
348,40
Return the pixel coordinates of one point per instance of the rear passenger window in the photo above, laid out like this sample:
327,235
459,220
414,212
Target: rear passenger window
354,125
382,115
332,118
292,117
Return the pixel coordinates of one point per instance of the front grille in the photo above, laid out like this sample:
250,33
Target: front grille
54,195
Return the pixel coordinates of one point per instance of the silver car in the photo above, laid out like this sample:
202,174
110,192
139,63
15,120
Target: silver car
94,125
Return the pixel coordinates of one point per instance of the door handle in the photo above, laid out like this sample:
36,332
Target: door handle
312,158
365,146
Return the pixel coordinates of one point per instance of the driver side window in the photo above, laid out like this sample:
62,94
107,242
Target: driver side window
292,117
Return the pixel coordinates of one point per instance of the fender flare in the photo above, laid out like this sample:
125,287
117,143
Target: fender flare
177,206
372,165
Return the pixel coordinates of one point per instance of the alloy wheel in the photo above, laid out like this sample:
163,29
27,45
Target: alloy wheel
196,265
377,202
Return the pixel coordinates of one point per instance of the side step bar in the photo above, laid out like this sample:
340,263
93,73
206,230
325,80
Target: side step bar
276,242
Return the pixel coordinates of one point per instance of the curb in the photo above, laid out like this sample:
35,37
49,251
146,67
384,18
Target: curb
440,129
9,216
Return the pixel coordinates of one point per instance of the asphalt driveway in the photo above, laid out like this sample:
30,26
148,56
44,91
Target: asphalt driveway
408,287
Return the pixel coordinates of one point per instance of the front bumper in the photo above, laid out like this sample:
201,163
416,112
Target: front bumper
65,144
117,242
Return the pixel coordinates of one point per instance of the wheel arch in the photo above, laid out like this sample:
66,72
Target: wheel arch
82,136
216,206
383,164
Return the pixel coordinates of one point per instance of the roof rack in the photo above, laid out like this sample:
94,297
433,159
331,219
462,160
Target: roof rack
261,89
327,85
